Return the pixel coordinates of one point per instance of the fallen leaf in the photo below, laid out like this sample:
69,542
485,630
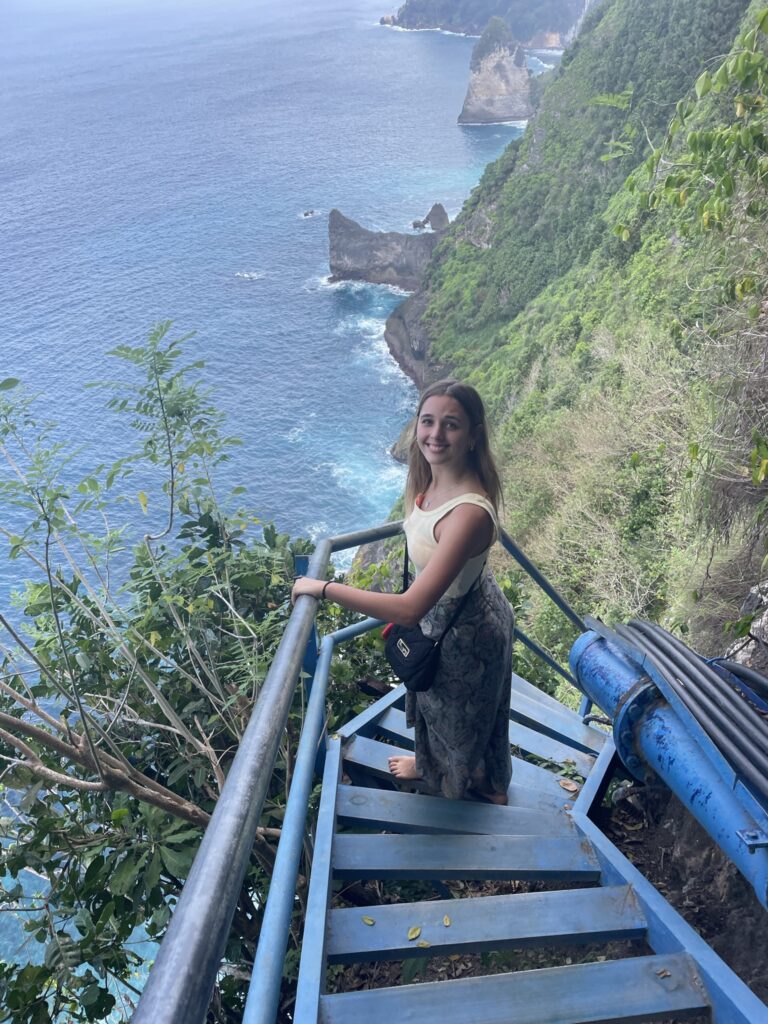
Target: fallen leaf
447,921
368,920
569,785
454,957
664,973
423,944
414,933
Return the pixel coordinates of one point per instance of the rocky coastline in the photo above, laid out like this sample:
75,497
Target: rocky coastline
383,257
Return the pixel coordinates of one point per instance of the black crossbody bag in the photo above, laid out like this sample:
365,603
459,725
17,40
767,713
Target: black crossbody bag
414,657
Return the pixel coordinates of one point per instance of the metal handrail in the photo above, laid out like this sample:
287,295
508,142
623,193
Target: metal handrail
264,991
540,579
180,984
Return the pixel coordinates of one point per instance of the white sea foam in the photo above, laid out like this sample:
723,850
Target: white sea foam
440,31
251,275
322,283
309,214
487,124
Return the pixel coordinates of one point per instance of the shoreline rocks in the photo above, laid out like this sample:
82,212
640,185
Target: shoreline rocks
381,257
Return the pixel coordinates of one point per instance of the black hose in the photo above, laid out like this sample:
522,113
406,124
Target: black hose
756,681
709,683
723,732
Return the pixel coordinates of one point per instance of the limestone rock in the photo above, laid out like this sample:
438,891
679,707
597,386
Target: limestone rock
380,257
499,89
437,219
547,41
409,342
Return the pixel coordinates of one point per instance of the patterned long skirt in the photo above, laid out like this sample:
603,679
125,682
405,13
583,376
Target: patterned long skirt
462,722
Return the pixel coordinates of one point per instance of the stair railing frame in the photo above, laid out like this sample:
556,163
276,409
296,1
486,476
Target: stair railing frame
182,979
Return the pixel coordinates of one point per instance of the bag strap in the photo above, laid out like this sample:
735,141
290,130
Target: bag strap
460,606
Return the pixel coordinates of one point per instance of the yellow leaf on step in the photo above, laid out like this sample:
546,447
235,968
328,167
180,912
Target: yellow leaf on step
414,933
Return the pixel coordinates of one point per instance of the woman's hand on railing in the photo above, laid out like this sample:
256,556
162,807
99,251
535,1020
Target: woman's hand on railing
307,586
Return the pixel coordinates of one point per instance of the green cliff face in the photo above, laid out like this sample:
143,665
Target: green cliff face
618,332
471,16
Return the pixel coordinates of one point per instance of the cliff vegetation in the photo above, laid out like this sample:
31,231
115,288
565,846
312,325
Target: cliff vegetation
612,312
471,16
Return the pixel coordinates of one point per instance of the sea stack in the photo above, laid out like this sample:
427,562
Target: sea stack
499,89
499,83
381,257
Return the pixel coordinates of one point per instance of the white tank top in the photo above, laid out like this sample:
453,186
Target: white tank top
419,529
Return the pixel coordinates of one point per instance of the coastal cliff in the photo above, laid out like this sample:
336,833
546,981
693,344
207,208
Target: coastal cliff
381,257
591,314
499,89
546,19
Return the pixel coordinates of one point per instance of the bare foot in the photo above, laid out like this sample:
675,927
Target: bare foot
404,767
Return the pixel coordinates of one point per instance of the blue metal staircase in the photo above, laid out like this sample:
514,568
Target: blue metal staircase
365,832
657,967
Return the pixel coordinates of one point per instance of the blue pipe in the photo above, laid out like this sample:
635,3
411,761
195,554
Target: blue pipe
661,741
264,992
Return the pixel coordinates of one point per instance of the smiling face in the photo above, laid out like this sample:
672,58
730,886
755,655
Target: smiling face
444,433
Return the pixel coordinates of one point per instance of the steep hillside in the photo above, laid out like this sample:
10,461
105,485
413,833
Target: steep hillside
618,333
471,16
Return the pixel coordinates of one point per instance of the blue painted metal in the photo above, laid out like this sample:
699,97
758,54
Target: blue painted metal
311,983
181,981
732,1001
688,763
264,992
540,579
309,662
539,651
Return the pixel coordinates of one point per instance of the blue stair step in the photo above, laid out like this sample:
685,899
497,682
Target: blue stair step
639,990
392,724
468,857
531,786
558,722
490,922
409,812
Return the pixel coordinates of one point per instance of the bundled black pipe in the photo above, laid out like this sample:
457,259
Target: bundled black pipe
732,724
754,680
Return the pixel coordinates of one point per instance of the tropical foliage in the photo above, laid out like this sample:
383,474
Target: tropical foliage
128,672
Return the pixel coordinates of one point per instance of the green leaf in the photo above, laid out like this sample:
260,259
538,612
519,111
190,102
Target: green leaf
143,501
8,383
124,877
177,862
703,84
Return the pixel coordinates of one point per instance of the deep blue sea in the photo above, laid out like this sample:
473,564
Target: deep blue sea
156,160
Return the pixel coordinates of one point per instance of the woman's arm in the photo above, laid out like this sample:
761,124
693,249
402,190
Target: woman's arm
464,532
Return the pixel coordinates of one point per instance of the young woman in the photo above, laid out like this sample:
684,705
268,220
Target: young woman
452,494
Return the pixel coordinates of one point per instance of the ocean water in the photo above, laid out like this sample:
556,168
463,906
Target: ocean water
156,161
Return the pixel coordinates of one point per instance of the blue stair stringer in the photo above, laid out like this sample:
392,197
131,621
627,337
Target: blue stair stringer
545,834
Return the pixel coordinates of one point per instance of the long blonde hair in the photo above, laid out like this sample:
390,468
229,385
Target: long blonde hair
480,458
